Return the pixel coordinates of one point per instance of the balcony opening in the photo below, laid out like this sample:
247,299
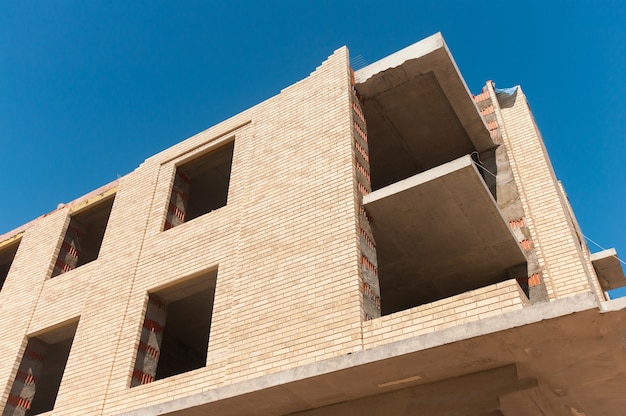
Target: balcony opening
200,186
83,237
438,234
175,333
7,254
39,375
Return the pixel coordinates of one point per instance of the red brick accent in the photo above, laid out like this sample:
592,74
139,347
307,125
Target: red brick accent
487,110
147,349
152,326
358,112
26,378
18,401
32,355
362,151
142,377
481,97
360,131
518,223
534,280
370,293
369,265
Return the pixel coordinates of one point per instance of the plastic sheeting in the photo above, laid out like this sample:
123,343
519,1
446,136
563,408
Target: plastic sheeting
507,91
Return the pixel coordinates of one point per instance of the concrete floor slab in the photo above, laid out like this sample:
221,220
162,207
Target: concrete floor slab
439,233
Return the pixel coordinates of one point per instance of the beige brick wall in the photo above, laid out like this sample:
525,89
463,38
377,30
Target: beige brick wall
286,247
559,252
467,307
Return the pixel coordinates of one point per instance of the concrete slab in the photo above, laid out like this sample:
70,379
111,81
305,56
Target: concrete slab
439,233
608,269
571,351
419,112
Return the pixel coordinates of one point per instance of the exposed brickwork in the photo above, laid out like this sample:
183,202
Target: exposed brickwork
370,288
446,313
293,249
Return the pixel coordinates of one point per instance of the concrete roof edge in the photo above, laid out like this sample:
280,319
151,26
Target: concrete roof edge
533,314
416,50
609,252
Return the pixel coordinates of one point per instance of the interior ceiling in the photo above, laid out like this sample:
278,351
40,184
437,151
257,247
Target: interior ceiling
419,112
438,234
412,128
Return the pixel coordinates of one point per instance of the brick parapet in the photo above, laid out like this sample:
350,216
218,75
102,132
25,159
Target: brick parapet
470,306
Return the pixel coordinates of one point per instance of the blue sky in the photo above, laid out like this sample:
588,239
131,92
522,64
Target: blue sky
89,89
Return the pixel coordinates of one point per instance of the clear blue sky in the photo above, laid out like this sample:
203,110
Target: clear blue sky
89,89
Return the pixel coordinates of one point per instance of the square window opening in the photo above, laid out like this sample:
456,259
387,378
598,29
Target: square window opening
7,254
175,332
200,186
83,237
39,375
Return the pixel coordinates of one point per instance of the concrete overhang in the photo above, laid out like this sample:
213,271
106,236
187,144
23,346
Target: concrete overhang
588,378
419,111
439,233
608,269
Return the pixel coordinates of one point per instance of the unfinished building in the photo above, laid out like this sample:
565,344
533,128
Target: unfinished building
367,242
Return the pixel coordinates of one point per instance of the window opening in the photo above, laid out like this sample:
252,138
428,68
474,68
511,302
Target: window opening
39,375
200,186
175,332
7,254
83,237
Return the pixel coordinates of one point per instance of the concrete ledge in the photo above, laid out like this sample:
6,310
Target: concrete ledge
245,393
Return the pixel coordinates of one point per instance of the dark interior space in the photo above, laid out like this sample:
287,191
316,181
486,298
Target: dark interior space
187,327
95,221
83,237
411,129
210,177
7,254
59,343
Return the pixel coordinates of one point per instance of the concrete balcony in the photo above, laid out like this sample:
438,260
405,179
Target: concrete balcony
419,112
439,233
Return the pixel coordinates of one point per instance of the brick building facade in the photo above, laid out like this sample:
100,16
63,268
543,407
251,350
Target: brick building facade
372,242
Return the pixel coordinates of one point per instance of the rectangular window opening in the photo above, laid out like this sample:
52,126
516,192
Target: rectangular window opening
39,375
175,332
83,237
7,254
200,186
